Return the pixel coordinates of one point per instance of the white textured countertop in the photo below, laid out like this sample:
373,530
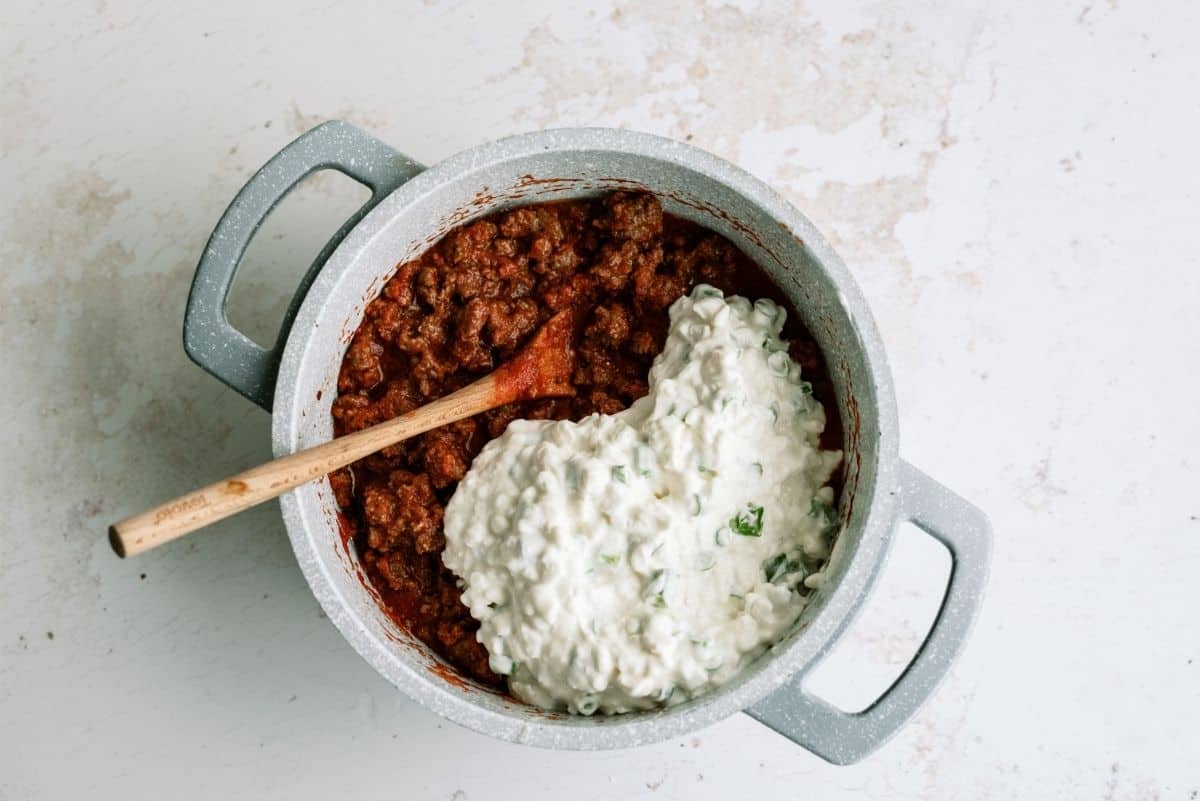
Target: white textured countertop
1016,187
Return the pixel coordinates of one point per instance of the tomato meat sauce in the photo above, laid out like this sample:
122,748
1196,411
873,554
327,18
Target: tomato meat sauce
467,305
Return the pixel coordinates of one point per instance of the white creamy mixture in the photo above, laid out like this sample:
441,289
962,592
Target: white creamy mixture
639,559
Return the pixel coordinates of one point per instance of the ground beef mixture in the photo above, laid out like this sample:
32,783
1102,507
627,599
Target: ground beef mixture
464,307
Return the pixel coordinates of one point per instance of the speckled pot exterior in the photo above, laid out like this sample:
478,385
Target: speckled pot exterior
410,209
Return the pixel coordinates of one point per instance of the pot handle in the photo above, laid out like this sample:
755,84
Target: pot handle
208,337
844,738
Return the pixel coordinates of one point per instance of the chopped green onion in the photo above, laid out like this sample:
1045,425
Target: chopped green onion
618,473
773,566
824,514
587,705
656,589
705,561
722,536
748,522
780,566
658,582
696,506
572,474
758,468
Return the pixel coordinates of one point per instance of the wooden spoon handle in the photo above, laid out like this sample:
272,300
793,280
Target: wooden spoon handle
197,509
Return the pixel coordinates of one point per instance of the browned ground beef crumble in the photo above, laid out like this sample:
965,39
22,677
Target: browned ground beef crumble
464,307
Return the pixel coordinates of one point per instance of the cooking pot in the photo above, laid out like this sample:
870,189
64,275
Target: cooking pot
409,209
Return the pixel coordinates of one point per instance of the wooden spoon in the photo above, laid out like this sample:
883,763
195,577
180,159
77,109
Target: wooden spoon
541,369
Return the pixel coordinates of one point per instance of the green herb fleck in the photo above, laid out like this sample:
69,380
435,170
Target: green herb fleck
722,536
656,589
825,514
780,566
658,581
618,473
587,705
773,566
696,505
748,522
806,387
610,558
572,474
757,467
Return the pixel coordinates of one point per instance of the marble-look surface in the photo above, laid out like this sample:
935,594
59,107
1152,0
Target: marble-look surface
1015,185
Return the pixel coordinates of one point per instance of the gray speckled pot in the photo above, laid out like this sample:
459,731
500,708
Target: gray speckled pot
410,208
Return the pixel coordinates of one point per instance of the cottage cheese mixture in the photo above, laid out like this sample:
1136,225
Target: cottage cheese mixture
638,559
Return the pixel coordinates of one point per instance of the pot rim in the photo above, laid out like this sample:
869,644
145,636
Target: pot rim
784,663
